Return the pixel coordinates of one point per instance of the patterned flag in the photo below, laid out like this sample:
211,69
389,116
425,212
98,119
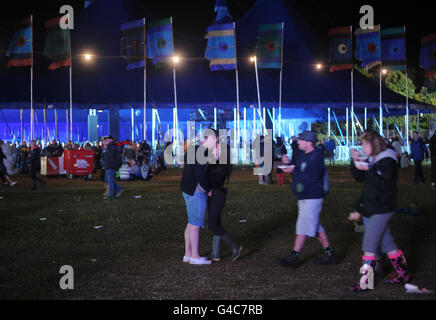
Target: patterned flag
341,49
394,49
20,47
223,15
368,47
160,46
57,44
221,50
269,46
132,43
428,55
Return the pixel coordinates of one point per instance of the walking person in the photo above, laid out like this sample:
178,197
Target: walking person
35,164
217,175
195,187
432,148
380,177
111,163
308,188
3,171
279,151
419,151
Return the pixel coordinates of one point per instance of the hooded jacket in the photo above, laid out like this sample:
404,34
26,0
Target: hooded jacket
380,190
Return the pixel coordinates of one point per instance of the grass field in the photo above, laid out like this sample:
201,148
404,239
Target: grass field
137,253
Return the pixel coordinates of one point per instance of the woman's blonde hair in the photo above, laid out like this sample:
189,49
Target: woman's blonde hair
377,142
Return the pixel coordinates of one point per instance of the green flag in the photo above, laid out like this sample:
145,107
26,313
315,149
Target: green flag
57,44
269,46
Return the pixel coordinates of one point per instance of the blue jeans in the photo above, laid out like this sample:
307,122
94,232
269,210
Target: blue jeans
377,237
109,179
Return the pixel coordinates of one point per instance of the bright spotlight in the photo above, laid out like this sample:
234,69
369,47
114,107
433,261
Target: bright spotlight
253,58
318,66
176,59
87,56
384,71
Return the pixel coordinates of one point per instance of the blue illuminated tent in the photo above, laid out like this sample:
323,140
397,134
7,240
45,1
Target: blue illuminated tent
105,83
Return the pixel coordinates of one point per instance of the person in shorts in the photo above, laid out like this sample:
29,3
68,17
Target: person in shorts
195,188
308,189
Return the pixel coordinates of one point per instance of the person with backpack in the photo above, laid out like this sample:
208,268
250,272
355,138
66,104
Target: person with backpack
380,176
217,175
111,157
419,151
309,186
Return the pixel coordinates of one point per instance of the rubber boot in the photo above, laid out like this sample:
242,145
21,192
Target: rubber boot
236,248
216,249
400,265
371,261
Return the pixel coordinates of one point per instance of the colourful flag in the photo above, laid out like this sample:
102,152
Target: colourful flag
368,47
160,46
269,46
221,49
428,55
394,49
133,43
223,15
57,44
20,48
341,49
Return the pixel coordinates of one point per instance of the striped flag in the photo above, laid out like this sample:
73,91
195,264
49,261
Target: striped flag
428,55
133,43
160,45
20,49
341,49
57,44
368,47
269,46
221,48
394,49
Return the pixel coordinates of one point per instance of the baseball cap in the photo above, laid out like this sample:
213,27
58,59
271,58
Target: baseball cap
309,136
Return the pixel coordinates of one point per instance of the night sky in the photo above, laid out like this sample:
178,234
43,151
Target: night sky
418,17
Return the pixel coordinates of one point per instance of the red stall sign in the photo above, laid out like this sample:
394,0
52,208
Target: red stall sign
79,162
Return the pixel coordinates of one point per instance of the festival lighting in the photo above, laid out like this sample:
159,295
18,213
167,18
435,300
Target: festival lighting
253,59
384,71
87,56
318,66
176,59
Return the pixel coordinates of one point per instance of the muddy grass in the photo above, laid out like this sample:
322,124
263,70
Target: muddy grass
137,252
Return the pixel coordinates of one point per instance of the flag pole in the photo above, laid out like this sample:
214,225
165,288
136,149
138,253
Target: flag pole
32,123
71,90
21,125
56,124
258,96
407,98
281,80
380,82
237,94
145,83
352,99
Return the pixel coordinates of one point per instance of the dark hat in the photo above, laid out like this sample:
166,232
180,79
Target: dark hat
108,137
309,136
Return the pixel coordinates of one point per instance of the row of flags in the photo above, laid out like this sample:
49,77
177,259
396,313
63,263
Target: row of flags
372,46
57,46
375,46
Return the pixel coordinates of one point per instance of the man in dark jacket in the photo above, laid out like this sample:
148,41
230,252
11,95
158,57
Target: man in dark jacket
35,164
308,189
419,150
111,163
432,147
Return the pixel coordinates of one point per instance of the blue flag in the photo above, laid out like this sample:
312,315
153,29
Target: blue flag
428,55
133,43
160,45
394,48
341,49
20,47
368,47
221,47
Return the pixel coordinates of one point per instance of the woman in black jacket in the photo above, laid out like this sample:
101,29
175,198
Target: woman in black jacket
217,175
380,175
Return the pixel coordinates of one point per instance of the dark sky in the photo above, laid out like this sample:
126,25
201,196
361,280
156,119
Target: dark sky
418,16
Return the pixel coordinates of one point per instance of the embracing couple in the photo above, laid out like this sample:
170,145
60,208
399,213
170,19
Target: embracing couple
202,186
